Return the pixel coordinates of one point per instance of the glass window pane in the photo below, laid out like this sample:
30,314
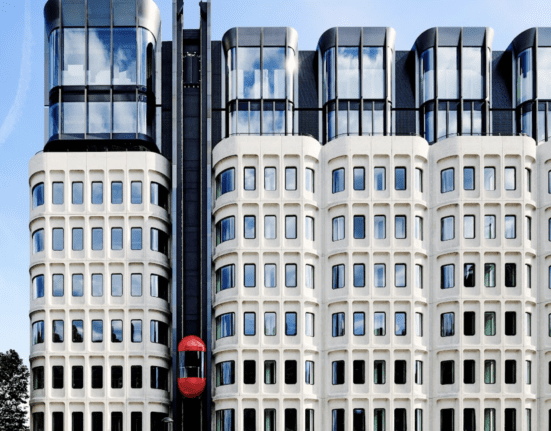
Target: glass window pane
468,226
136,285
379,230
249,323
250,227
97,284
468,178
248,75
57,285
99,56
524,76
359,178
273,73
348,73
489,179
290,178
136,192
78,191
57,239
116,239
270,179
448,228
338,180
400,178
359,275
124,56
447,276
379,275
78,239
427,75
73,117
379,180
78,285
400,275
510,226
73,56
270,227
124,117
400,227
136,238
448,73
116,284
510,179
447,181
290,227
373,73
97,193
270,324
473,77
270,275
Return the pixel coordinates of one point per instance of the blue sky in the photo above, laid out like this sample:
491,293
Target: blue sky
22,83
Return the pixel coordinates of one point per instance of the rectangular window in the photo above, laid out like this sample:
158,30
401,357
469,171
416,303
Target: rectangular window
379,229
291,227
400,419
225,420
338,324
489,323
97,238
359,275
225,325
309,276
359,227
270,373
528,276
136,284
359,323
270,227
359,178
97,331
97,377
78,239
58,285
419,228
469,420
57,421
469,326
116,331
270,324
249,323
469,275
338,180
78,192
400,271
510,226
159,378
379,324
379,178
249,179
510,275
400,371
57,239
136,192
489,178
358,420
136,331
510,178
338,276
419,276
400,227
400,178
38,378
38,287
135,238
116,284
528,324
97,193
528,180
528,227
270,179
379,423
338,228
447,182
77,331
116,192
249,227
38,332
57,377
447,374
309,180
510,371
290,178
249,420
97,285
489,372
249,372
418,180
447,228
469,372
78,285
249,275
291,324
418,372
337,420
489,420
528,372
447,324
116,238
447,276
116,377
468,226
489,275
489,227
358,372
419,324
57,193
97,421
468,178
309,320
290,372
379,372
510,323
290,420
309,228
225,373
379,275
78,421
510,420
400,324
270,275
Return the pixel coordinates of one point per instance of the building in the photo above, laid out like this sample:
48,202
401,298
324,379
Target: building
355,232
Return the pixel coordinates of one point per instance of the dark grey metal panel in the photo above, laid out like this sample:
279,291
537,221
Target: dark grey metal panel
216,58
307,79
502,121
544,36
166,90
99,13
149,17
52,15
405,79
426,40
350,36
327,39
375,36
524,40
249,36
473,36
448,36
124,13
274,36
73,13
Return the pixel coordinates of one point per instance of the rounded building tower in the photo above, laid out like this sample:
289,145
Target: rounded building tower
100,225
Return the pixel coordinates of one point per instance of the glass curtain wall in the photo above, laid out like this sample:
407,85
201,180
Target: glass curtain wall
260,85
100,81
452,91
354,91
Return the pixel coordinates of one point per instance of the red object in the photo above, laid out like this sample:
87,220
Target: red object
191,377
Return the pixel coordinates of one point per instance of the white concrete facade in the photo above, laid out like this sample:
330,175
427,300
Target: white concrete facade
528,297
131,259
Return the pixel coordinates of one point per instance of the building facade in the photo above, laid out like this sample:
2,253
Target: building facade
358,235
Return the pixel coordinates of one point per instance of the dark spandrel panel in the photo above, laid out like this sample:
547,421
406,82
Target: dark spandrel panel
501,79
374,36
191,149
99,13
448,36
544,36
216,58
405,79
124,13
349,36
405,122
217,131
273,36
190,34
249,36
166,87
473,36
166,133
502,123
191,107
307,79
73,13
308,123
